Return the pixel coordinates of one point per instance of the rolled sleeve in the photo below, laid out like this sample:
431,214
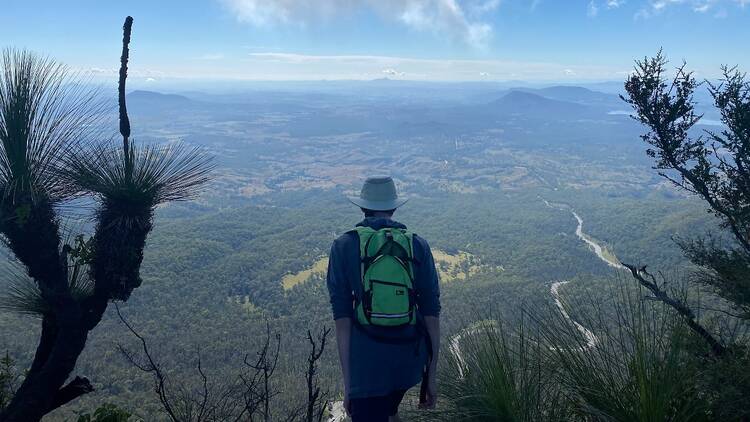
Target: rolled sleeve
339,289
426,280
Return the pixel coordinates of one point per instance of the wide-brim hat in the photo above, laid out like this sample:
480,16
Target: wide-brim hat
378,194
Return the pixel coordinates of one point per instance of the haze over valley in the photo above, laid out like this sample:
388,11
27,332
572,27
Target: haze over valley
169,195
478,162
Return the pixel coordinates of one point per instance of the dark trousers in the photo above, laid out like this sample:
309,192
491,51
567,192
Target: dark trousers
375,409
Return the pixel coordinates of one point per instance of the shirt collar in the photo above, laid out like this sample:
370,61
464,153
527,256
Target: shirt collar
378,223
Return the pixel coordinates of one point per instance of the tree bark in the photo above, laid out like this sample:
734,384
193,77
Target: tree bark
46,342
43,391
75,388
62,341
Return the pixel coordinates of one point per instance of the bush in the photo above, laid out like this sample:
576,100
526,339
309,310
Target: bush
493,374
639,368
621,359
106,413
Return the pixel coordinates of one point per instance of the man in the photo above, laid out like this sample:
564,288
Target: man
386,303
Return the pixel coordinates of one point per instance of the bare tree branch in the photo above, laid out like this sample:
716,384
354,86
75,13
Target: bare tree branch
648,281
316,402
150,366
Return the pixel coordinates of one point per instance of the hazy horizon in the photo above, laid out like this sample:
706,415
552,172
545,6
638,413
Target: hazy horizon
537,41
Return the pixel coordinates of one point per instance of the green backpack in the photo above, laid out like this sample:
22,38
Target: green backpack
388,298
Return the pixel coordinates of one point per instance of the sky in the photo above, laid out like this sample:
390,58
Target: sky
431,40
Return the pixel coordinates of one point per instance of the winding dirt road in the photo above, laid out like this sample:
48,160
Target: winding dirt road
588,335
337,408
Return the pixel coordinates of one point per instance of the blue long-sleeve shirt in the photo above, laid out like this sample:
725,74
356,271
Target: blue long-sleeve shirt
378,368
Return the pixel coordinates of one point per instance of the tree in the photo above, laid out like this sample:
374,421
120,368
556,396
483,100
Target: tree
317,401
246,397
106,413
713,166
49,156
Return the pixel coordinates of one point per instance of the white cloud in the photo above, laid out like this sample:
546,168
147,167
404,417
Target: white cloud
458,19
461,21
656,7
481,7
592,9
270,12
595,6
309,58
133,72
702,8
101,70
290,66
392,72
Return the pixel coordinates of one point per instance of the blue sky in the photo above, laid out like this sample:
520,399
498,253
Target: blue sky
533,40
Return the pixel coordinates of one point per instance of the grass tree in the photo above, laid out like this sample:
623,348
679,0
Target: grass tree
638,369
497,373
49,156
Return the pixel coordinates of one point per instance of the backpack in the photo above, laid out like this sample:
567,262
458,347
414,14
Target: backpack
387,275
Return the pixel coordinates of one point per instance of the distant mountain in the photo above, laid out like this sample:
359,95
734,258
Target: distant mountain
573,93
150,102
156,97
609,87
577,94
528,104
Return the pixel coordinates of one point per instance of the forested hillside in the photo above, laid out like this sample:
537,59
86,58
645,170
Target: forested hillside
200,264
197,243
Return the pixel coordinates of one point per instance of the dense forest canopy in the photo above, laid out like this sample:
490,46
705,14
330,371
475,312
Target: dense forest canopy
554,238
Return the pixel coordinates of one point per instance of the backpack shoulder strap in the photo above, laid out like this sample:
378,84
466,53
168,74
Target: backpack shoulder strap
364,233
410,237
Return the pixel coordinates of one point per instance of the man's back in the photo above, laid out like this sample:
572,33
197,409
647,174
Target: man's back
344,267
382,357
377,366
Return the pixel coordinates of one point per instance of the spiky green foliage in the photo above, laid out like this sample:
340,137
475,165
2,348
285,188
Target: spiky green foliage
638,370
624,359
129,187
134,184
496,374
24,296
44,109
48,157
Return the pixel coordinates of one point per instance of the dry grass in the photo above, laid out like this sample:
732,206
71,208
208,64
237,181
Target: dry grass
319,267
451,267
